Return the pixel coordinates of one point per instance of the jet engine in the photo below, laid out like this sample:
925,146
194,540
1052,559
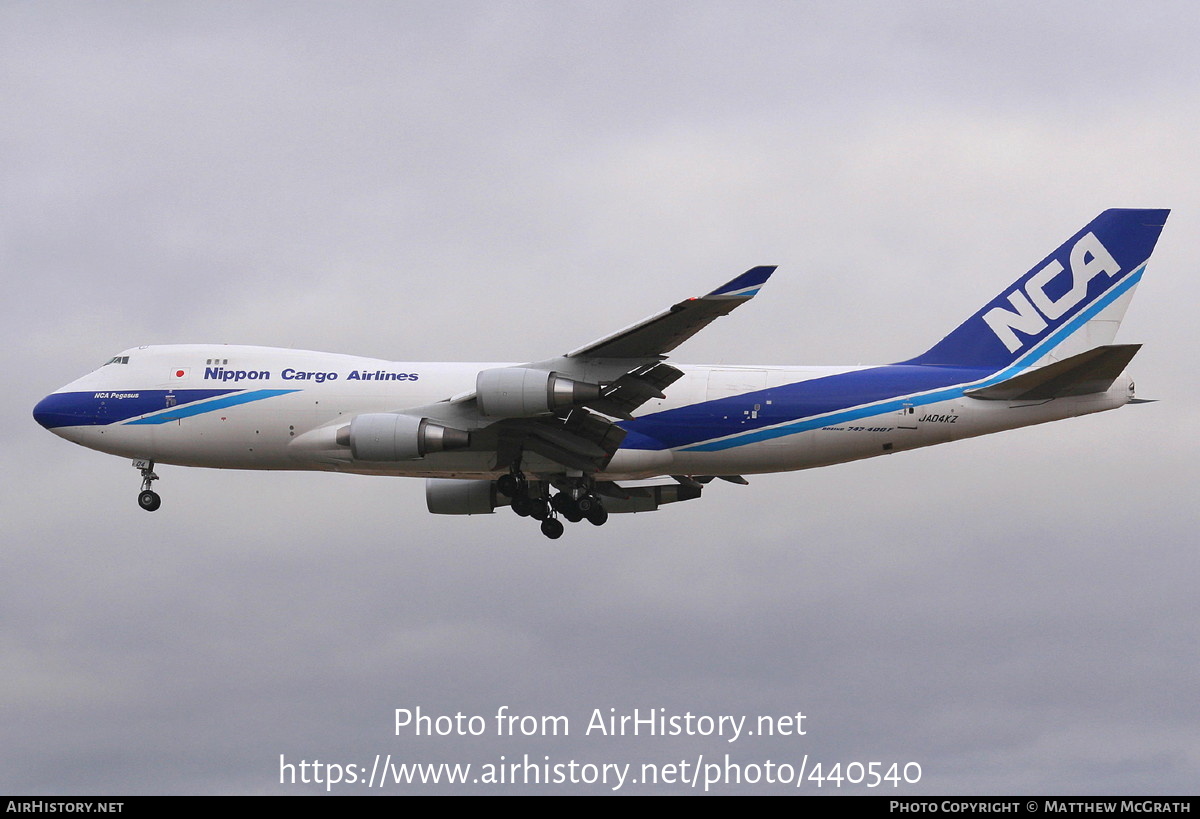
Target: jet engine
390,437
518,392
447,496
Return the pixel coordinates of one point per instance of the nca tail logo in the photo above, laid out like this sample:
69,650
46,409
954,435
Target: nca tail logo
1033,309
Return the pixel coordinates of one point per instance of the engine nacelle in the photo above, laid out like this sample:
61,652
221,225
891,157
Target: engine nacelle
518,392
447,496
385,436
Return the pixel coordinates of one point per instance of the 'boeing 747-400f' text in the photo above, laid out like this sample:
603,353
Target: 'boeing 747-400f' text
579,435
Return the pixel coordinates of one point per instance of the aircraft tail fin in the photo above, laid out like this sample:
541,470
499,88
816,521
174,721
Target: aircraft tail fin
1070,302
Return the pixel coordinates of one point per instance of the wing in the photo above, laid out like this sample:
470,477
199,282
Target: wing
661,333
563,408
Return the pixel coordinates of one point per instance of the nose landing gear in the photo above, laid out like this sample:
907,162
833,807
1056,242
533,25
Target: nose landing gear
148,499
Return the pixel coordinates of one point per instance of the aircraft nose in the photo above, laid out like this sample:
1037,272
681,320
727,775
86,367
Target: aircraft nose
62,410
43,413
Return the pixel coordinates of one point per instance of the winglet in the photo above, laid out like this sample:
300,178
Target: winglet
745,285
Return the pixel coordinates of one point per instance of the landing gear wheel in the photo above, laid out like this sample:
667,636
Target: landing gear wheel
587,503
552,528
508,485
539,509
522,505
567,507
598,516
148,499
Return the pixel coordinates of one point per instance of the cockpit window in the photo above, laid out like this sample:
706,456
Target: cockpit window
117,359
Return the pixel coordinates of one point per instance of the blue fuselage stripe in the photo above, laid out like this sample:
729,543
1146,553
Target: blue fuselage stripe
101,408
190,410
727,423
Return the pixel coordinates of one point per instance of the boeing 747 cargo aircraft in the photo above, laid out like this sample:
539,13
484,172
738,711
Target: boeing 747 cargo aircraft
584,434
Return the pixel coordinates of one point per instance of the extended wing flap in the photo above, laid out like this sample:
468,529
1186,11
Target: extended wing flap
635,388
1089,372
581,440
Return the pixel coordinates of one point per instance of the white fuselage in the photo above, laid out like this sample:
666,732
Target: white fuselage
283,409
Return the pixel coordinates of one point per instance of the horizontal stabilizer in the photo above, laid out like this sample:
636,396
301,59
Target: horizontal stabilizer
1089,372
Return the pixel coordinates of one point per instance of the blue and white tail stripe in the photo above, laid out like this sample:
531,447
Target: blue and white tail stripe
1101,257
1067,330
1085,281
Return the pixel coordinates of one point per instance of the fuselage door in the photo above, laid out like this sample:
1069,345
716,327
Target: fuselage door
726,382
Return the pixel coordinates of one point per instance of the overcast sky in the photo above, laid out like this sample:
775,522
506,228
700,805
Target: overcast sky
506,181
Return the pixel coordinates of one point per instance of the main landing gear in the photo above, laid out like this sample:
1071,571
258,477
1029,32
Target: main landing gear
575,503
148,499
